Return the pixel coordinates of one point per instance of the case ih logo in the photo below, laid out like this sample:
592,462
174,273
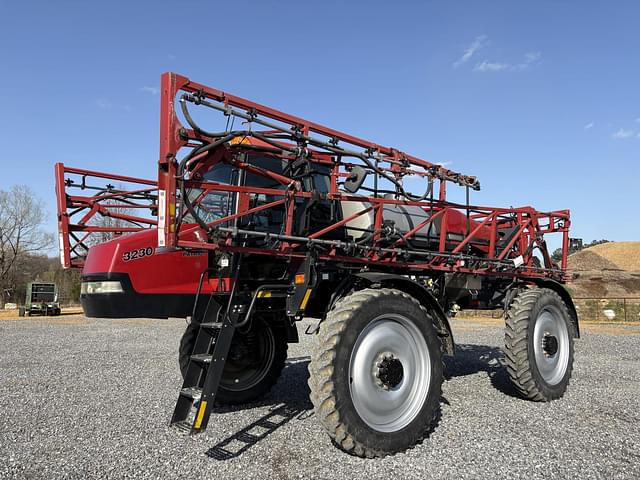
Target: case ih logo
193,253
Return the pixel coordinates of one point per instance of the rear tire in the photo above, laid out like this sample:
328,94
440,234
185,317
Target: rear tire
376,373
253,366
539,344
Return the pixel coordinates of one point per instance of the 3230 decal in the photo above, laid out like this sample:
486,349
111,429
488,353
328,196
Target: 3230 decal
137,254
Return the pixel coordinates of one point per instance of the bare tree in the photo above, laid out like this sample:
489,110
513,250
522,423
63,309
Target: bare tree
114,207
21,233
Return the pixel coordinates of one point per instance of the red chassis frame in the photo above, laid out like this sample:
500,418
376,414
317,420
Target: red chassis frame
498,260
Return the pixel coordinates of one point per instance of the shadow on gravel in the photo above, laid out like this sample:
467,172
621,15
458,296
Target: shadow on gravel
288,399
472,359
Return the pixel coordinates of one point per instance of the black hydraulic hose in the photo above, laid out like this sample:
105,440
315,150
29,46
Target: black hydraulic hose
342,244
223,137
260,148
210,146
193,124
274,143
196,128
312,141
371,166
365,239
181,172
373,190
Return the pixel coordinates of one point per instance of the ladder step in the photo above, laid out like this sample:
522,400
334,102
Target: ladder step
202,358
204,373
211,325
192,392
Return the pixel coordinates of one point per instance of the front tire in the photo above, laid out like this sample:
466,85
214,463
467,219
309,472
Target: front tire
539,344
253,366
376,374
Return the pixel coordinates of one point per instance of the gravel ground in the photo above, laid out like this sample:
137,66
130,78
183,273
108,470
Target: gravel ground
86,398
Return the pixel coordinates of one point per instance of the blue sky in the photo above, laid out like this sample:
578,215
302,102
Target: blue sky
540,100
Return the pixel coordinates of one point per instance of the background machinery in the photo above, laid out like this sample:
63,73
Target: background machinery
264,218
41,299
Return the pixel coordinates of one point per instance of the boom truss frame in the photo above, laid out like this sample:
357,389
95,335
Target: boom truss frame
187,152
91,210
294,139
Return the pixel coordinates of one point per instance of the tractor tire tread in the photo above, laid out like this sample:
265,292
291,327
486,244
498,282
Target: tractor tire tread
321,384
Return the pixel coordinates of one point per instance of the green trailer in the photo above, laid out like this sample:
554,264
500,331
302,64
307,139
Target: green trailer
41,298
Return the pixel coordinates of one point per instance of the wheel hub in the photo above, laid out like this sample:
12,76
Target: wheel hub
249,359
549,344
388,371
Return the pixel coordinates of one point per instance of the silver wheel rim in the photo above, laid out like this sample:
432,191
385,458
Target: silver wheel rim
551,345
389,408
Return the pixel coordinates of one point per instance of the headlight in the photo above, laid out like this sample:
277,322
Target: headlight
88,288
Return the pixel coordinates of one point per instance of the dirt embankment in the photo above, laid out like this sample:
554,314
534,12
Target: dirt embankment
606,270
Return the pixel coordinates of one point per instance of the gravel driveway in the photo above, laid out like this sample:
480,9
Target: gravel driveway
85,398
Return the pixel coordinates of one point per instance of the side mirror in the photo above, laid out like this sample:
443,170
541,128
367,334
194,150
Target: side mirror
355,180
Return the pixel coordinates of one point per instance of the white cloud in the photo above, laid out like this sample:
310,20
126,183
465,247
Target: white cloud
104,103
491,67
151,90
589,125
530,59
470,51
622,134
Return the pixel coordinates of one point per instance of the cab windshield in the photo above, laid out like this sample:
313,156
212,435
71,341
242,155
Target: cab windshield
221,204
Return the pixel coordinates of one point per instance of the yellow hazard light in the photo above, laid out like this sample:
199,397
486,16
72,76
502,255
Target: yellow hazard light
264,294
299,279
240,140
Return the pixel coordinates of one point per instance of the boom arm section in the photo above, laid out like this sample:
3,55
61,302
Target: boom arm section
275,128
471,239
94,207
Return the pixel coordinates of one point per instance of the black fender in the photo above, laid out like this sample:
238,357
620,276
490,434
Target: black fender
424,296
566,298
